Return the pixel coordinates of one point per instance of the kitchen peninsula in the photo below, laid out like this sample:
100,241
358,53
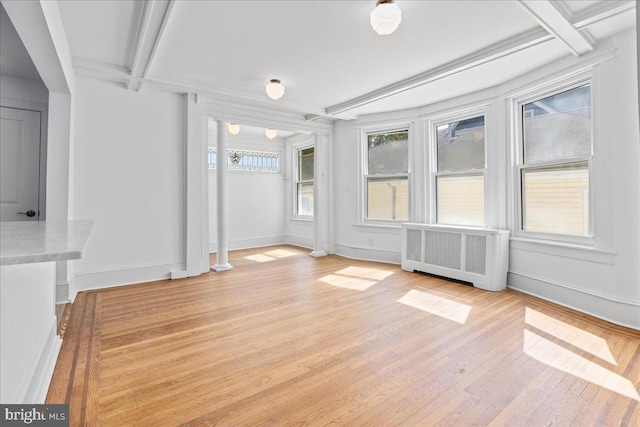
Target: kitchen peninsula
29,345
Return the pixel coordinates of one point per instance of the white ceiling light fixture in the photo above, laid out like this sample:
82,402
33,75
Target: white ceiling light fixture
271,133
274,89
386,17
233,128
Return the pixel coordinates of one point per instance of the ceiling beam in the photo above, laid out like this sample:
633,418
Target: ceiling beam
583,20
40,28
550,17
153,21
600,12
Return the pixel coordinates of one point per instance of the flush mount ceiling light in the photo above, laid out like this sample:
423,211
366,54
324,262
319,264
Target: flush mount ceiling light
386,17
233,128
271,133
274,89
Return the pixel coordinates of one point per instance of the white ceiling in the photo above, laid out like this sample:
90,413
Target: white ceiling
325,52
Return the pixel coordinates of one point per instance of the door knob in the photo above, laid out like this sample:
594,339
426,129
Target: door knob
29,213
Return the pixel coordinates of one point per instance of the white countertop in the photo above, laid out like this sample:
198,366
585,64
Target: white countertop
25,242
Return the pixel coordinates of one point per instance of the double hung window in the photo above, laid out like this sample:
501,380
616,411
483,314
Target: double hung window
554,170
460,171
304,182
387,176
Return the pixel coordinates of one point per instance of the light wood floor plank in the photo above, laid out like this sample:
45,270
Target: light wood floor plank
296,340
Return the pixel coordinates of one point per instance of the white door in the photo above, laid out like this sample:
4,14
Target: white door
19,164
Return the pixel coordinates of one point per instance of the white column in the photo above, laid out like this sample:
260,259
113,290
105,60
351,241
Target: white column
318,199
204,194
193,177
222,253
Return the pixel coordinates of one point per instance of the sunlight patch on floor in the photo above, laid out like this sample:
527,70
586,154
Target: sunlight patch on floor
271,255
348,282
259,258
280,253
365,273
358,278
575,336
558,357
441,307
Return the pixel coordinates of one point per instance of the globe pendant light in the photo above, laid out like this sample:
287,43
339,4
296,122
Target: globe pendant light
386,17
274,89
271,133
233,128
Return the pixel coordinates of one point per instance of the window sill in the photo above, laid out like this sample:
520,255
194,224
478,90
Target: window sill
301,219
379,227
566,250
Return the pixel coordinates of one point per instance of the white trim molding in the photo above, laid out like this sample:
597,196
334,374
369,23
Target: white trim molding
616,310
368,254
90,280
302,242
564,250
254,242
38,387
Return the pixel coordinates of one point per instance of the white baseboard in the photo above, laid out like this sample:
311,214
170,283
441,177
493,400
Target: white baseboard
38,387
85,281
302,242
258,242
368,254
619,311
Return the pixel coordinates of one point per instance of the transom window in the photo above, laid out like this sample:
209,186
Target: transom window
556,148
387,176
243,160
460,171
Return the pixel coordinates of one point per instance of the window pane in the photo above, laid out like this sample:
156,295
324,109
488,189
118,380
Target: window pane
305,164
558,127
388,153
460,199
461,145
388,198
556,199
305,198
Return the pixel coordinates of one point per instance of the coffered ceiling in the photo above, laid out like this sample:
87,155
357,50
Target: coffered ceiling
325,52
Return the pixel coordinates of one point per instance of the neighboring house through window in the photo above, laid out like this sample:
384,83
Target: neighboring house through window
555,162
387,176
460,171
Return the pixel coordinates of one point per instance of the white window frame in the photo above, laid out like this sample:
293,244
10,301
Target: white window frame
258,155
296,149
519,166
364,172
433,160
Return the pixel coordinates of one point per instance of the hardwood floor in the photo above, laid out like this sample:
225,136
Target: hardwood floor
286,339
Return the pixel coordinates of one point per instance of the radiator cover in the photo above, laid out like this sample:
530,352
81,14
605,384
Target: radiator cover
479,256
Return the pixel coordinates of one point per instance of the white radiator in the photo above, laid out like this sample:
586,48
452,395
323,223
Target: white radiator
479,256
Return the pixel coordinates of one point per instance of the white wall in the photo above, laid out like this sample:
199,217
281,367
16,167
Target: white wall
603,280
255,200
129,168
23,89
